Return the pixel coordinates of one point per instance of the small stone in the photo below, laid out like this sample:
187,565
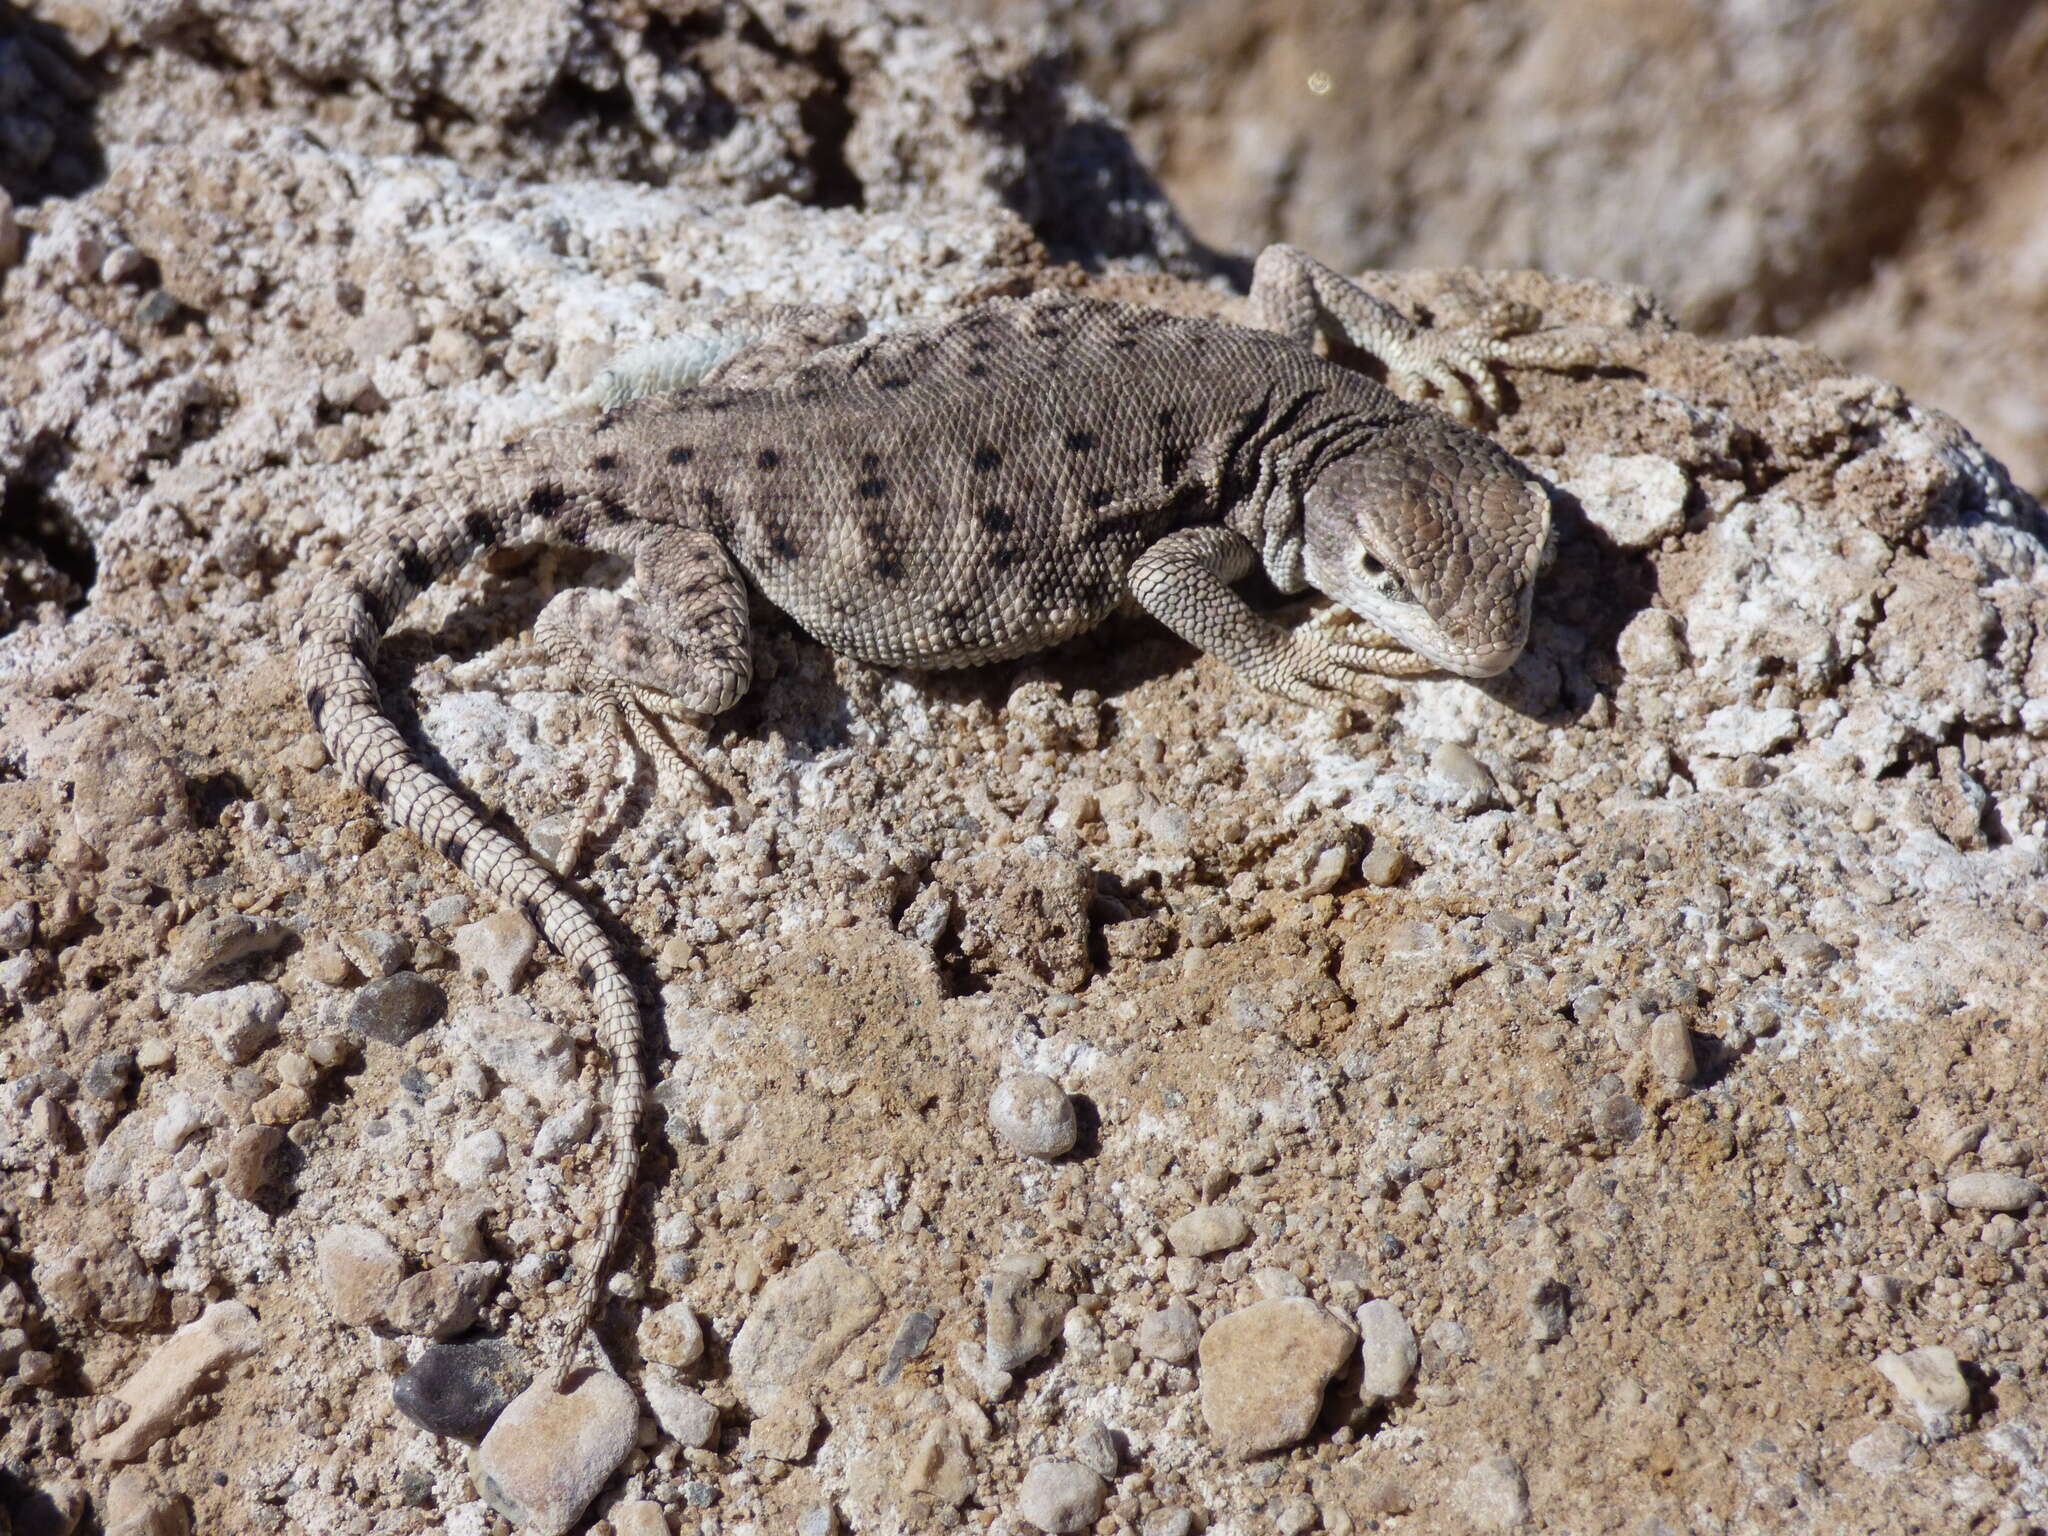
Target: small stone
135,1506
639,1517
1494,1494
258,1162
564,1131
441,1302
1809,952
913,1334
685,1415
325,963
1169,1521
785,1431
550,1453
154,1054
458,1390
1991,1191
104,1281
1455,765
1297,1517
1930,1382
1635,499
1172,1334
475,1158
1033,1116
240,1021
800,1323
1385,865
818,1520
395,1008
1886,1449
1272,1283
282,1106
498,948
1886,1290
359,1271
1652,644
17,919
1097,1450
1264,1370
672,1336
446,911
110,1076
1668,1044
379,953
1387,1351
1021,1320
183,1367
1208,1229
207,949
1061,1497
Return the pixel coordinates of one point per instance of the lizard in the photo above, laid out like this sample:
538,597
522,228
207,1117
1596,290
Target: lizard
960,490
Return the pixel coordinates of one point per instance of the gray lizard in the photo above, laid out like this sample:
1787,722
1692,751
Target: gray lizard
959,491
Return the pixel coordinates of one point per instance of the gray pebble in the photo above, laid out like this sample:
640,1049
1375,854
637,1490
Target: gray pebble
458,1390
498,949
1033,1116
240,1021
1387,1350
1061,1497
1171,1334
550,1453
259,1158
1456,766
1385,865
395,1008
1669,1044
1170,1521
208,948
1992,1191
1208,1229
685,1415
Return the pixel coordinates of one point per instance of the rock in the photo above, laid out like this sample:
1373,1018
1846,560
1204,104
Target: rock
441,1302
1033,1116
1652,644
639,1517
525,1052
940,1465
1264,1370
685,1415
458,1390
1886,1449
395,1008
1172,1334
785,1431
1021,1320
1387,1351
550,1453
800,1323
1208,1229
135,1506
1668,1044
1469,779
1637,499
103,1281
1494,1494
359,1272
1991,1191
473,1159
913,1334
1169,1521
1061,1497
1930,1382
1385,865
378,953
240,1021
208,949
259,1159
818,1520
672,1337
53,1508
498,948
17,921
185,1365
564,1131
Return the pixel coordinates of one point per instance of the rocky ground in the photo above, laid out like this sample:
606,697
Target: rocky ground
1089,1095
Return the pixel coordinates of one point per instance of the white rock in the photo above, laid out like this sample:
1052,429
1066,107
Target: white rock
1061,1497
1992,1191
1494,1494
799,1325
685,1415
181,1369
496,948
672,1336
1208,1229
474,1158
550,1452
1387,1350
1033,1116
1171,1334
1636,499
1264,1370
564,1131
359,1273
1930,1382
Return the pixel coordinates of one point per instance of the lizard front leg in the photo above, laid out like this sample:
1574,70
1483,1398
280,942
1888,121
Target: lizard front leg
1297,296
680,652
1184,581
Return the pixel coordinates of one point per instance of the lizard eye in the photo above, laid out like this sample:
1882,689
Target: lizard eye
1394,589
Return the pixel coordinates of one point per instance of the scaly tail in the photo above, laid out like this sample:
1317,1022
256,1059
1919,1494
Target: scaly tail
453,519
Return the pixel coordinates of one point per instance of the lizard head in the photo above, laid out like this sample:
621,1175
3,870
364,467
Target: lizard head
1433,534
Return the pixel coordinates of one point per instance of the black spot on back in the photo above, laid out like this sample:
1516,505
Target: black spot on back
476,527
767,458
888,568
546,500
316,701
896,381
872,488
987,460
781,546
1004,557
605,463
681,455
612,510
1096,500
870,462
1080,442
415,568
997,520
976,370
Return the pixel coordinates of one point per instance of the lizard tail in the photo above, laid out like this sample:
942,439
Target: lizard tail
354,604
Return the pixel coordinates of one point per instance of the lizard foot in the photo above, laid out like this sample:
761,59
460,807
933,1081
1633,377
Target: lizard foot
1324,671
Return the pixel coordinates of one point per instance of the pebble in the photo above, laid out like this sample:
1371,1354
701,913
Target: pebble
1033,1116
240,1021
1652,644
1456,766
685,1415
1170,1521
1387,1350
1208,1229
134,1506
1885,1449
1494,1494
785,1432
18,919
110,1075
800,1323
1930,1382
207,948
1097,1450
638,1517
818,1520
379,953
1021,1319
441,1302
446,911
395,1008
1273,1282
561,1133
1385,865
1264,1370
550,1453
474,1158
498,948
259,1158
672,1336
1061,1497
1668,1043
1172,1334
1991,1191
913,1335
359,1271
524,1052
1635,499
1887,1290
458,1390
182,1367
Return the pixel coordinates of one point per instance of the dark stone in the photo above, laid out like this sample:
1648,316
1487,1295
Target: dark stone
458,1390
911,1338
396,1008
110,1075
259,1159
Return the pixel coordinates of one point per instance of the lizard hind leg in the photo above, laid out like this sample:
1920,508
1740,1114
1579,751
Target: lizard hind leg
677,654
